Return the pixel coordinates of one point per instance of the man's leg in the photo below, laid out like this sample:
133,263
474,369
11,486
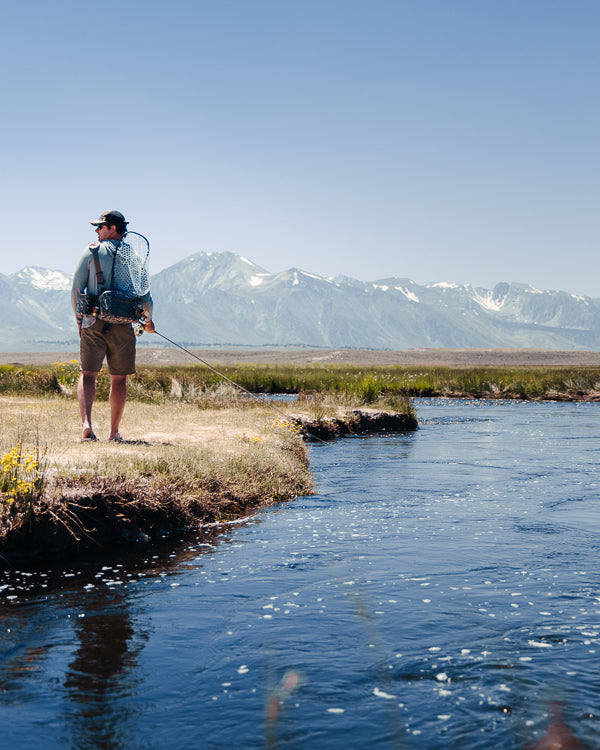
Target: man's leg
86,392
117,398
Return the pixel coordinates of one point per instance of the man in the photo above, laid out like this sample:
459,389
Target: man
99,338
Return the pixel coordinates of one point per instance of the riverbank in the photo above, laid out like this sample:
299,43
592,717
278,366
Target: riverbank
180,467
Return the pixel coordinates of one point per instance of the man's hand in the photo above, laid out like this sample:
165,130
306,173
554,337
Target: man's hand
149,327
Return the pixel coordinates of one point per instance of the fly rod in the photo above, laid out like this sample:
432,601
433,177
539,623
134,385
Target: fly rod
232,382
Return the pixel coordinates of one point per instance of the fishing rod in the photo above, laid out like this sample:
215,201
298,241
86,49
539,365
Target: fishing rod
233,383
133,251
210,367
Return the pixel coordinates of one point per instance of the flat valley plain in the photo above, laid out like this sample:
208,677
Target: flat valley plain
364,357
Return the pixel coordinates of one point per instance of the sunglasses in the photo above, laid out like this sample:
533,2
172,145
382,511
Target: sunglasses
99,226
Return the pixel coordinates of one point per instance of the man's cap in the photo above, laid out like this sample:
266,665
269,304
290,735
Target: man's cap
110,218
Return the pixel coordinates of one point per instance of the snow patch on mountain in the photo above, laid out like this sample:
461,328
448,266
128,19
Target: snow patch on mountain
407,293
314,276
442,285
488,301
44,279
254,266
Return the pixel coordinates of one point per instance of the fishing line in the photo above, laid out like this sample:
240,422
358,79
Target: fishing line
233,383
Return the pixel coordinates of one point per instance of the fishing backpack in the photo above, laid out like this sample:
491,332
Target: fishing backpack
111,305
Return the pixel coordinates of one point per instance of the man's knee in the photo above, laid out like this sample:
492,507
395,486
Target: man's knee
118,383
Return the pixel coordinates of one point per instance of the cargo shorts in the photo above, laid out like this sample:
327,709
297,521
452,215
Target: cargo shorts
116,341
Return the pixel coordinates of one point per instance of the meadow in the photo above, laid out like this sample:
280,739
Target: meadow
388,386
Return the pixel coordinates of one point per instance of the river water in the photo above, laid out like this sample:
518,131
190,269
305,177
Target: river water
442,590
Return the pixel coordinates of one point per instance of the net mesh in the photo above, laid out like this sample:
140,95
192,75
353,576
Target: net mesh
131,274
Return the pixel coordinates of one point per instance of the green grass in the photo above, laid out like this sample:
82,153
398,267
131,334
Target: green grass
385,386
372,385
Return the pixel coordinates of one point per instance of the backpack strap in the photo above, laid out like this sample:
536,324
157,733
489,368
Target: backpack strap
112,268
99,275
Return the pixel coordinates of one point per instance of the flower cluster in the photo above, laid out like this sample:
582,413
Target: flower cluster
67,373
21,474
289,425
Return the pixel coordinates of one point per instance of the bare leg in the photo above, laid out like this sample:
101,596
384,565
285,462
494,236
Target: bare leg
86,392
117,398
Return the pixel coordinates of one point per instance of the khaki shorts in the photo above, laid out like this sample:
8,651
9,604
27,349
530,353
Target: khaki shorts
116,341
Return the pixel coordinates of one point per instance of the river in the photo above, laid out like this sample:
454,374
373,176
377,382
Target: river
441,590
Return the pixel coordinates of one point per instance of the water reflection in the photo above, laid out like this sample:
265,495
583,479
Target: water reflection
101,681
92,616
18,663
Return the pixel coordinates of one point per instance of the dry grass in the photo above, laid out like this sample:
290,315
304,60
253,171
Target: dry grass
180,465
148,429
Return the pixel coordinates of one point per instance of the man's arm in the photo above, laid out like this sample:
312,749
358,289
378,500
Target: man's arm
80,281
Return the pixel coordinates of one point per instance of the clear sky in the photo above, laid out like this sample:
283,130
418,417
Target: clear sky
453,140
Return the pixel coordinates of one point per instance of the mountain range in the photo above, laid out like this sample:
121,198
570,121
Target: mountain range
225,300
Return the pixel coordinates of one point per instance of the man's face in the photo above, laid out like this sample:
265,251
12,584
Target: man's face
106,233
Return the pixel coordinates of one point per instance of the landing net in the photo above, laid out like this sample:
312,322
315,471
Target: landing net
130,273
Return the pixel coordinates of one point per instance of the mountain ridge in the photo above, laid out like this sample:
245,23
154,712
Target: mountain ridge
224,299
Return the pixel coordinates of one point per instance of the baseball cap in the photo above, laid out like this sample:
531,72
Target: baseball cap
111,218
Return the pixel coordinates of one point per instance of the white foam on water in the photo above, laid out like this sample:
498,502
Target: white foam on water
382,694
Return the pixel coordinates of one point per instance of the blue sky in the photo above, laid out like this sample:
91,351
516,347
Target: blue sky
451,140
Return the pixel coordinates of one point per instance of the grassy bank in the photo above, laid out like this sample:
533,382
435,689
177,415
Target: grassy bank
194,453
177,467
